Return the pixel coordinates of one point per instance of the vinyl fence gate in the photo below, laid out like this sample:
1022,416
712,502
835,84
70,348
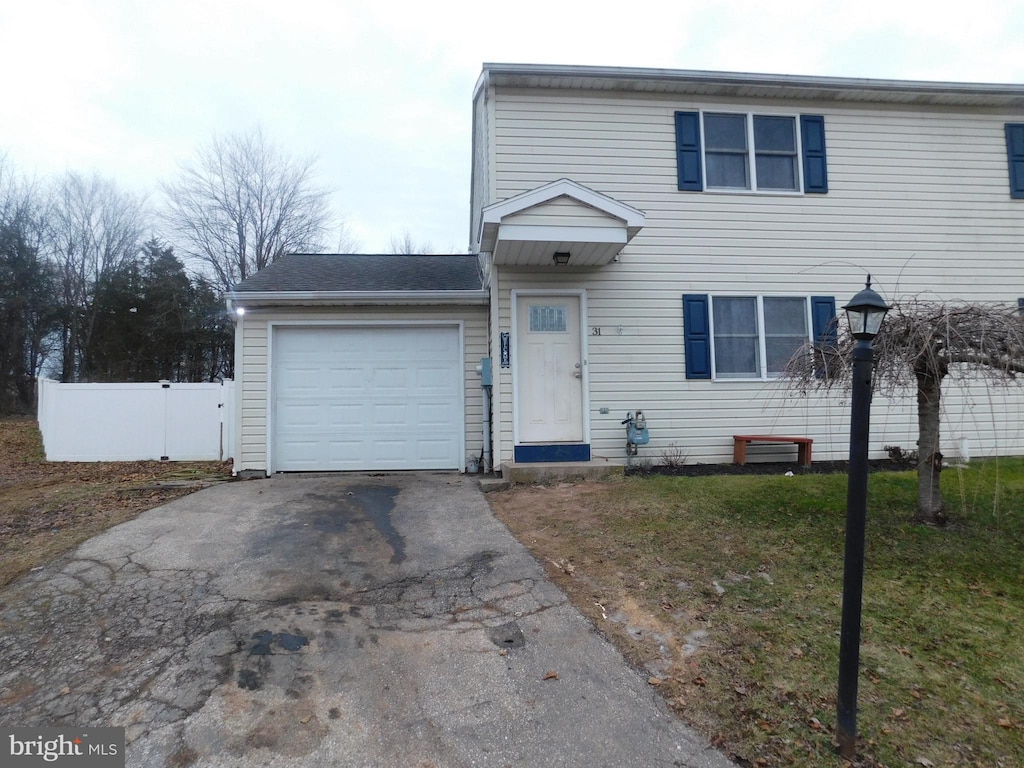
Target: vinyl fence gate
162,421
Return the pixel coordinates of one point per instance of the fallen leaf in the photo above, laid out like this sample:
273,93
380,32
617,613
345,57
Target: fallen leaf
1004,722
815,723
305,719
915,693
654,681
550,675
700,681
925,762
740,690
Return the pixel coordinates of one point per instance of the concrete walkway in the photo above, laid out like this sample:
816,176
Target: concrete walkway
368,620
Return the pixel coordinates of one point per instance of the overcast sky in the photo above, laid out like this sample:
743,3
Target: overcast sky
380,91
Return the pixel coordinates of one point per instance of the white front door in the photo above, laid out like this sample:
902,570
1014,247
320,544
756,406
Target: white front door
550,369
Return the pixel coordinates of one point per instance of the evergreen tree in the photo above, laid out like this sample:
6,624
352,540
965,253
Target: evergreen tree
28,316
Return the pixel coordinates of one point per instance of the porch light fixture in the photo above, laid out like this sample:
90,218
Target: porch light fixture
866,311
239,311
561,258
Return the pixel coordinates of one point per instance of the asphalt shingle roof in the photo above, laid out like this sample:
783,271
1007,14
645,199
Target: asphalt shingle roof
366,272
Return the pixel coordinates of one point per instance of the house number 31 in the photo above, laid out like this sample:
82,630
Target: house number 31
595,331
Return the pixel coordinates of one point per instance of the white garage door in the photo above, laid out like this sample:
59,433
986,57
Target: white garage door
355,398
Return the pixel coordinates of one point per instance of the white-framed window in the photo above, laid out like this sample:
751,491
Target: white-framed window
753,337
748,151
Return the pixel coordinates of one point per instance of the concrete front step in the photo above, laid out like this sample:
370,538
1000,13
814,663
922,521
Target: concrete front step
548,472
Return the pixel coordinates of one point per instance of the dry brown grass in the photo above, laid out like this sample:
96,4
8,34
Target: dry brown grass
47,508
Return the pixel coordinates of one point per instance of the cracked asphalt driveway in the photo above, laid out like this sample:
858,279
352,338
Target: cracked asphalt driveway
347,620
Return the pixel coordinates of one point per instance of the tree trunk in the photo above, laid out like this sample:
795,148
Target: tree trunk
930,508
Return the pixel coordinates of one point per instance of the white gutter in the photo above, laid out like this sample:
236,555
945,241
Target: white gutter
726,83
343,298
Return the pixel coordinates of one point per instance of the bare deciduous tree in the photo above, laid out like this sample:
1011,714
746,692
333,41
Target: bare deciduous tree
242,202
92,230
921,343
406,246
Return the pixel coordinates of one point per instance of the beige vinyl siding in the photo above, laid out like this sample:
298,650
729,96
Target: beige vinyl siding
917,197
253,373
644,367
480,183
914,196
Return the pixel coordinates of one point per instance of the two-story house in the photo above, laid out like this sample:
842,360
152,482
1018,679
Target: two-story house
647,239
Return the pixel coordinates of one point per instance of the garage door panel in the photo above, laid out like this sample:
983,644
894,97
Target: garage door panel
391,380
345,417
300,452
351,398
345,381
435,450
298,380
435,414
430,378
345,453
301,414
390,415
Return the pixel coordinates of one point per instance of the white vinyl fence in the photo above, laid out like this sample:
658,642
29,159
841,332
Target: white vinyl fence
131,422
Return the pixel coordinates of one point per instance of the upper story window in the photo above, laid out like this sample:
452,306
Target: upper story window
756,152
746,151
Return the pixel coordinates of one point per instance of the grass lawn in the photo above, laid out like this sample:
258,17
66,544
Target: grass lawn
728,590
47,508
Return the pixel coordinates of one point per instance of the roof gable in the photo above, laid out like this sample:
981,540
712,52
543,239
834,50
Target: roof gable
558,194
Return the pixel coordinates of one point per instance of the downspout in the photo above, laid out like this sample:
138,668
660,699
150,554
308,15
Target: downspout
239,377
487,454
495,394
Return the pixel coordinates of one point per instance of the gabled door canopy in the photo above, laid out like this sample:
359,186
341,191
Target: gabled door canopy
518,240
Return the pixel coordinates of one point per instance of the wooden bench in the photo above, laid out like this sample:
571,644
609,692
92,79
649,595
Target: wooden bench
740,443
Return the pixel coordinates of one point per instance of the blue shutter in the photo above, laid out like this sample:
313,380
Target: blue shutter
1020,306
812,140
826,331
1015,153
823,316
688,151
696,336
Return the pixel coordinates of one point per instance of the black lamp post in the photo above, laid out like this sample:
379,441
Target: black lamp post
865,313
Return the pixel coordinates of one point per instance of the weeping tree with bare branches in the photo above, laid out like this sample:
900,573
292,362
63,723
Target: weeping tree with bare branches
921,344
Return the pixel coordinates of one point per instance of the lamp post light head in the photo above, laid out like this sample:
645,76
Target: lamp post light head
865,313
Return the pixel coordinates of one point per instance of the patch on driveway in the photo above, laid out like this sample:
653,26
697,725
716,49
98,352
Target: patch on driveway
328,620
